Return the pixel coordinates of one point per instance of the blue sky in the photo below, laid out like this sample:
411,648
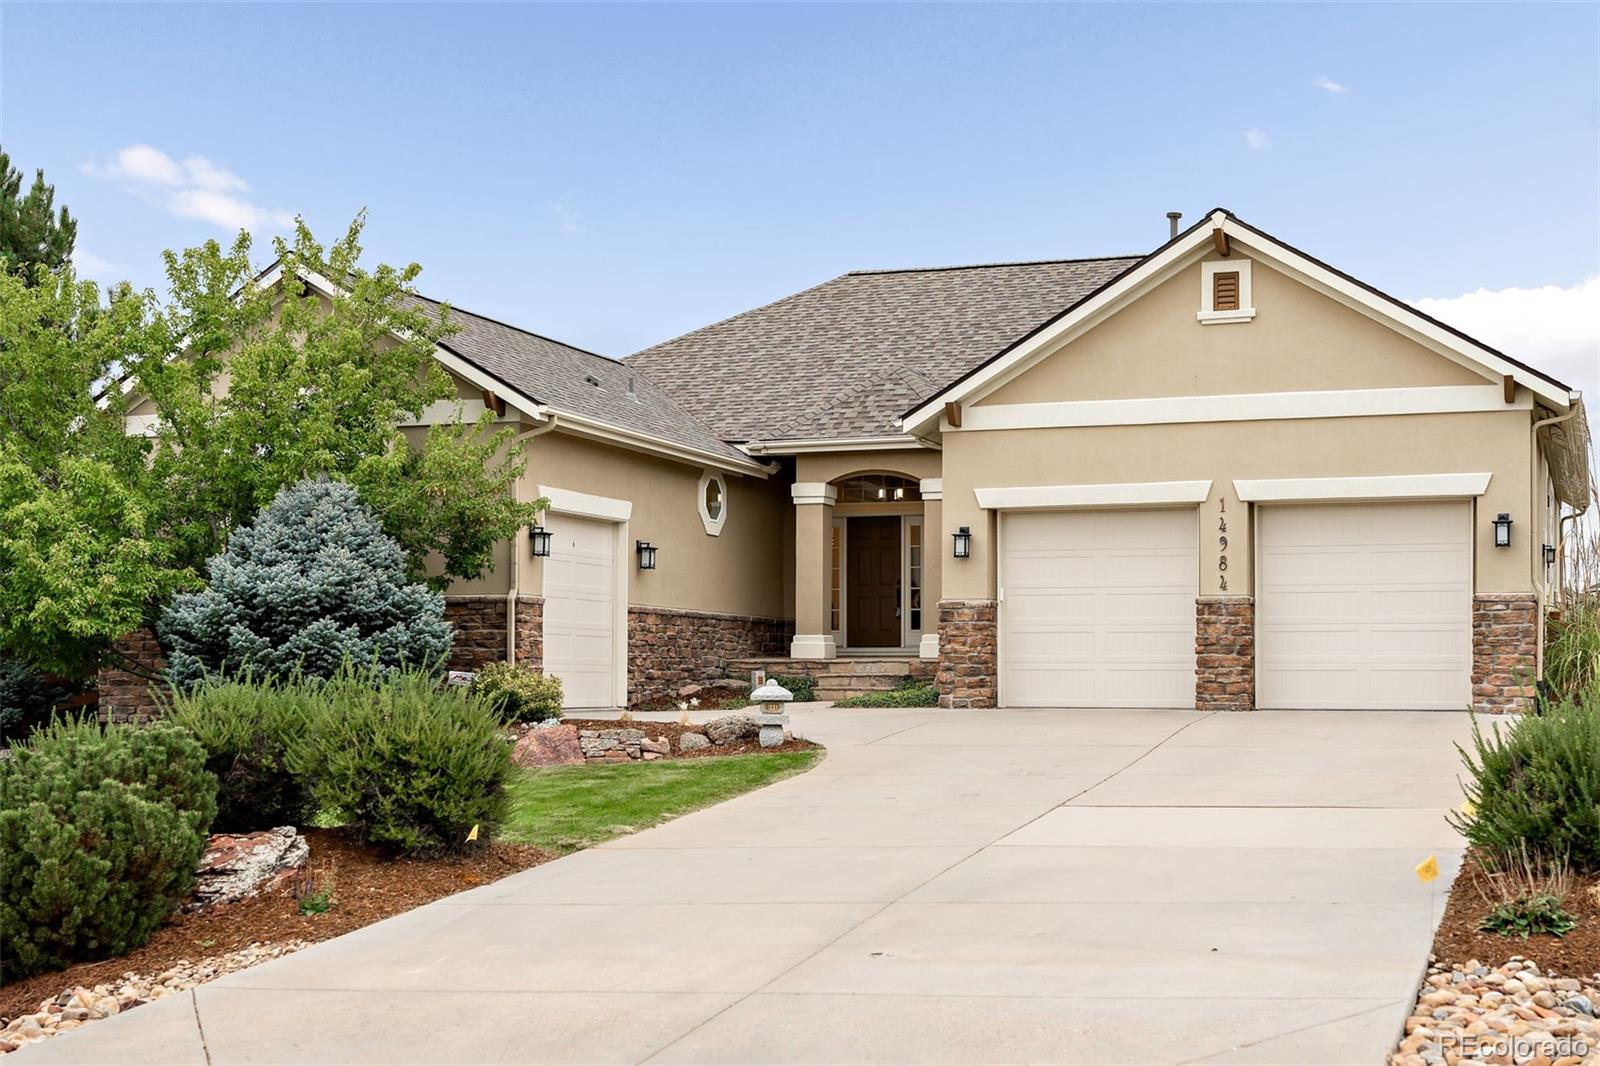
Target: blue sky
616,175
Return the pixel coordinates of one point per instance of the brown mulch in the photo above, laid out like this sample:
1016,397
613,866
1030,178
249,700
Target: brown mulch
368,886
672,731
1575,955
711,699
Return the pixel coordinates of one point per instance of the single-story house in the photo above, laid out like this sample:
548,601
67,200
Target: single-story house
1221,475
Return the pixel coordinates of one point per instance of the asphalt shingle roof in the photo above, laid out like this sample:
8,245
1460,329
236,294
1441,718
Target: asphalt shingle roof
581,382
844,358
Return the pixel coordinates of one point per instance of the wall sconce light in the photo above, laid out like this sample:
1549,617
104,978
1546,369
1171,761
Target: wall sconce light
539,540
1549,555
647,554
963,542
1502,530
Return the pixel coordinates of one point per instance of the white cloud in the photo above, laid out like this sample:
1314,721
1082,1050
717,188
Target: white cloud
1553,329
1329,85
1257,139
193,187
92,266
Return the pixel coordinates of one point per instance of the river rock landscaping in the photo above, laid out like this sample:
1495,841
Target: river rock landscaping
1511,1015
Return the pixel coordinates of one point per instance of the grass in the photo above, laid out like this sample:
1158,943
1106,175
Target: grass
565,808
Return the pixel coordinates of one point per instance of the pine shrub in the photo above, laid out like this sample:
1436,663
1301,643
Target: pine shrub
27,698
1535,785
100,832
247,728
313,584
522,693
412,764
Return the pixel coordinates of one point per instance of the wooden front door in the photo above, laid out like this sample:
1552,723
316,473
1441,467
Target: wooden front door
874,583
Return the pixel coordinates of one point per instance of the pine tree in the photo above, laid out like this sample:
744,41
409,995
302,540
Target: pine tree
33,234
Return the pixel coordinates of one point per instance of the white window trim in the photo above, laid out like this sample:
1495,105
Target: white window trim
1208,314
1056,497
843,528
1388,487
713,525
909,637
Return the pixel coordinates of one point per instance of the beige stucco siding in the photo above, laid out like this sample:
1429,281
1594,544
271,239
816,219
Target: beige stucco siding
1299,340
916,463
1497,443
740,571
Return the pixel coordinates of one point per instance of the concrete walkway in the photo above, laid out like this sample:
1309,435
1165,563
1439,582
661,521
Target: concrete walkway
987,886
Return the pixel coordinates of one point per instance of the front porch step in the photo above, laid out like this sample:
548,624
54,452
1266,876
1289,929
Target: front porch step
844,676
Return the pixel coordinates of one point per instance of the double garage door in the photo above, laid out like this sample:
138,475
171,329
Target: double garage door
1359,606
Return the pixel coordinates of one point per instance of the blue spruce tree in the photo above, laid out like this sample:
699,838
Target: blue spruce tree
313,583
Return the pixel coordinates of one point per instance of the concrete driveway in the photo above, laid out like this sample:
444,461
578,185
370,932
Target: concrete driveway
986,886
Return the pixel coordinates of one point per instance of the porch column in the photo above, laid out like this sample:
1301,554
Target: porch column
813,543
934,544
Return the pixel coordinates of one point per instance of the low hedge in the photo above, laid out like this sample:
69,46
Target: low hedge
521,693
911,692
100,832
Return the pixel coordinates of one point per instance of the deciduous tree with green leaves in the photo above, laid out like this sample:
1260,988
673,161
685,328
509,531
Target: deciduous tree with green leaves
246,381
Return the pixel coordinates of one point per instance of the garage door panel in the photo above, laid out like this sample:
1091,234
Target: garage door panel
1364,606
580,582
1098,609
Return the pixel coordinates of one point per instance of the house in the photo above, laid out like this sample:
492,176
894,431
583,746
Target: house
1222,475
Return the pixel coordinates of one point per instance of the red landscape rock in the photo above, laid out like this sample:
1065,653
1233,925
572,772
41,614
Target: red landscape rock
548,746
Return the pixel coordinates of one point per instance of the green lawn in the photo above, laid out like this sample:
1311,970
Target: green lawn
570,807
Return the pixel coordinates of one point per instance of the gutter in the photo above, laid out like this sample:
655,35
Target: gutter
516,553
1536,557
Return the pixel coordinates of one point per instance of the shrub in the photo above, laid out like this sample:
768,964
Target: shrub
912,692
1536,784
803,687
247,728
313,584
1537,914
412,764
1572,653
100,829
521,693
27,699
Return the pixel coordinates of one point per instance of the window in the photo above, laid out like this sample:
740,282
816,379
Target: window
713,502
1225,291
836,576
914,573
878,488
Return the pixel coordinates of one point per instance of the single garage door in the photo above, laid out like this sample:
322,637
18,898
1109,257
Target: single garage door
580,600
1097,608
1365,606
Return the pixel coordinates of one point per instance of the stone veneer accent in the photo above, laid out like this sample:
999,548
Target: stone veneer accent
1505,651
669,648
480,625
125,696
968,653
1225,653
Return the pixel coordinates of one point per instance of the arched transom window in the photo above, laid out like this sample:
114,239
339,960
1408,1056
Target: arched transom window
877,488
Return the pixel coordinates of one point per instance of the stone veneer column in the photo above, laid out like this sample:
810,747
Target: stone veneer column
479,622
813,544
968,653
1505,651
125,696
1225,653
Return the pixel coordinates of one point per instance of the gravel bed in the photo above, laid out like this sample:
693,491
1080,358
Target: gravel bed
1513,1015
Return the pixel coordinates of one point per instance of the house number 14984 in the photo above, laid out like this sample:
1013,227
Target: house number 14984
1222,547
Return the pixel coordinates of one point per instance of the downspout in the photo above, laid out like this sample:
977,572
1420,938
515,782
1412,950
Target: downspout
1535,490
516,553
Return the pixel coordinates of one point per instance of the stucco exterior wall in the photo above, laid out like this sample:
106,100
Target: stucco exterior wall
1494,442
739,571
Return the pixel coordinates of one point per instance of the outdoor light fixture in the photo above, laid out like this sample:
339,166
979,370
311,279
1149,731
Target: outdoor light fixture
647,554
539,538
1502,530
1549,555
963,539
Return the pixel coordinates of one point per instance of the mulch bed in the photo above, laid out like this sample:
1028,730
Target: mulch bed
368,886
710,699
672,731
1575,955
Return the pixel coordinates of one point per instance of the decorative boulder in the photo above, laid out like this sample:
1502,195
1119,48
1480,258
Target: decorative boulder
693,742
733,729
548,745
239,866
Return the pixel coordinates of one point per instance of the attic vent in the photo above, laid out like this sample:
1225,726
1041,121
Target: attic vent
1225,290
591,380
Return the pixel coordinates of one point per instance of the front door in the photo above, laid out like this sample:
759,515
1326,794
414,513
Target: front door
874,583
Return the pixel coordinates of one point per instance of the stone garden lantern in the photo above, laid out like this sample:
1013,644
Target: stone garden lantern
771,697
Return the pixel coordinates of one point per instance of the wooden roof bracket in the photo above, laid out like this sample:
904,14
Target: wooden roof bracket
1220,239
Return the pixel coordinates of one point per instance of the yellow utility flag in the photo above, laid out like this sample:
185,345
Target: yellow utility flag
1428,869
474,836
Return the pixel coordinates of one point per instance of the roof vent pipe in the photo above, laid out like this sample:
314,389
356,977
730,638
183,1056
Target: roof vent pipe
1172,223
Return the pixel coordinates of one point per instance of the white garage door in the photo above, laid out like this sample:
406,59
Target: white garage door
580,601
1097,609
1365,606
